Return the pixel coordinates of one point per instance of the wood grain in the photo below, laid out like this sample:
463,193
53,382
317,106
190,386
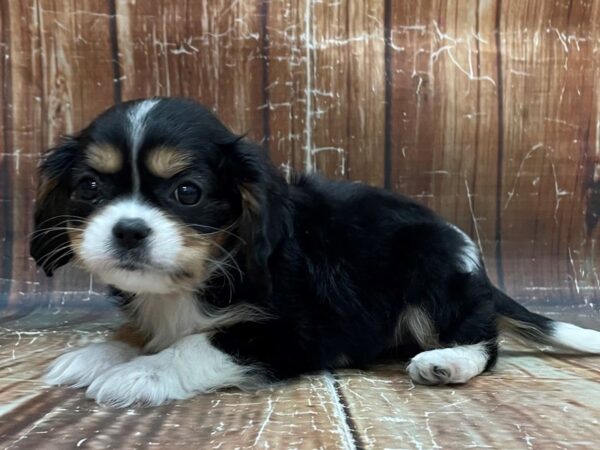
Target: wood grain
530,400
486,111
326,88
5,158
527,401
550,149
286,83
57,77
444,112
208,51
347,90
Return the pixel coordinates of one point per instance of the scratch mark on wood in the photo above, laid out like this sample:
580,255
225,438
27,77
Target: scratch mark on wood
269,412
474,219
308,154
340,151
559,193
574,270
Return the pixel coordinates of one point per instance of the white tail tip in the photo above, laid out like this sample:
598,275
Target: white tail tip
576,338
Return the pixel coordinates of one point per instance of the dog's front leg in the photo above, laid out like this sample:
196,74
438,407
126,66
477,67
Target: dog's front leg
80,367
189,366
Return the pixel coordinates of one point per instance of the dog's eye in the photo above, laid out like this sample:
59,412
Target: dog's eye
187,194
87,189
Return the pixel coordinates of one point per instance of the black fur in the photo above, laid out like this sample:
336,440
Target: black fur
356,258
50,241
334,264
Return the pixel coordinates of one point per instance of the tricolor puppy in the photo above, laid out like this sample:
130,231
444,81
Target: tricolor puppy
233,277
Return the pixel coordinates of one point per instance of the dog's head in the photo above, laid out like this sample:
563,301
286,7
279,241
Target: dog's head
152,197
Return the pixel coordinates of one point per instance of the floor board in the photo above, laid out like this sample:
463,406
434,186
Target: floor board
531,400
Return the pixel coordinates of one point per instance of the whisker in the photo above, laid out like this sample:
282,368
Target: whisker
220,267
217,230
208,241
68,217
230,257
222,263
38,233
60,222
53,253
55,237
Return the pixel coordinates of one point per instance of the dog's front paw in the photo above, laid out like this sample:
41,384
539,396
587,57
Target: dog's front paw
80,367
146,380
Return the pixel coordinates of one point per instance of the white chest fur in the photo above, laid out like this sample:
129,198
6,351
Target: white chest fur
167,318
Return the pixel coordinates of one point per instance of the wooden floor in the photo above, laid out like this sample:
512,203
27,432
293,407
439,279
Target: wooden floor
531,400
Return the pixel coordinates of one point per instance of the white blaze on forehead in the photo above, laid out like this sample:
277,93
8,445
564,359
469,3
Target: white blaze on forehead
137,120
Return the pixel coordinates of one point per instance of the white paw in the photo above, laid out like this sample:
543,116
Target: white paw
448,365
146,380
80,367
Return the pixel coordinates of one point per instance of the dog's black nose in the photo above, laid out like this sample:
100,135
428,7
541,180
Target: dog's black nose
130,233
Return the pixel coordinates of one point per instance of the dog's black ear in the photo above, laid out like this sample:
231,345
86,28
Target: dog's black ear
50,243
264,218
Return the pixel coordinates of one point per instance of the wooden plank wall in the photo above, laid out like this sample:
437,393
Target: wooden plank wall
485,110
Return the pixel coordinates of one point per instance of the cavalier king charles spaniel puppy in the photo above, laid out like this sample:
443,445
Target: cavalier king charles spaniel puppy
232,277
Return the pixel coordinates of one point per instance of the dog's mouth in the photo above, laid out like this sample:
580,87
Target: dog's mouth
132,275
140,270
133,260
136,262
133,266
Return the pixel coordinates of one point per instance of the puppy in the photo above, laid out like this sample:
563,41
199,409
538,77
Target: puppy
233,277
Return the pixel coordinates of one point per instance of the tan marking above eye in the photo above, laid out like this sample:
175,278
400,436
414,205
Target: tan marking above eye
164,162
104,158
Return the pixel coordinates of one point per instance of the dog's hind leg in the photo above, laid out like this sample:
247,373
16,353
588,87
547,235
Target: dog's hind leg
451,365
468,348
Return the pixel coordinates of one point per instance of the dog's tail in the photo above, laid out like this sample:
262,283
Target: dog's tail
519,322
